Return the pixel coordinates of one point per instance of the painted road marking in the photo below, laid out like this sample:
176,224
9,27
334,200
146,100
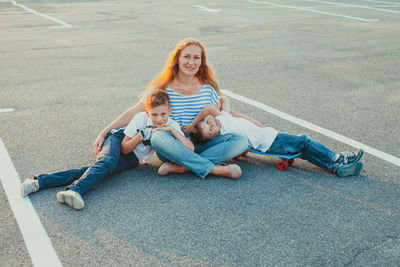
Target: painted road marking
311,10
37,242
355,6
63,24
15,12
377,153
215,10
4,110
383,2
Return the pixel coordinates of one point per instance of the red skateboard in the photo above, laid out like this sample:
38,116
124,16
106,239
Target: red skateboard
286,159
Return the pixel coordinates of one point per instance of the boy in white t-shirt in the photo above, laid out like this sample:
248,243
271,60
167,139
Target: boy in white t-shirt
156,117
122,150
268,140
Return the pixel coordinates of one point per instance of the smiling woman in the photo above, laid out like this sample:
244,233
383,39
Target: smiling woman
191,85
190,61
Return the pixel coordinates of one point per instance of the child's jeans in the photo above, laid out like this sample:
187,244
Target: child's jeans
311,150
109,161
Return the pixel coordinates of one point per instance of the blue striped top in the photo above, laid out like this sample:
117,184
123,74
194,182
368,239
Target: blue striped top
186,107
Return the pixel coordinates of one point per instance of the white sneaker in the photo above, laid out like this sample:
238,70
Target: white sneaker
71,198
28,186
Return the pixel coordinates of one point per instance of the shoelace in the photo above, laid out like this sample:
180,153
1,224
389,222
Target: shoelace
35,186
347,156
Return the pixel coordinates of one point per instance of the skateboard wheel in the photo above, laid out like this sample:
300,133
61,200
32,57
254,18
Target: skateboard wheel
291,161
241,155
282,165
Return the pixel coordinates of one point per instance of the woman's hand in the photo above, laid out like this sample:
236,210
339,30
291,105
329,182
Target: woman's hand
188,129
98,143
119,122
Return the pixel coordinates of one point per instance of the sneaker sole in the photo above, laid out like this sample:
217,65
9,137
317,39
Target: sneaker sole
21,191
70,201
352,169
359,156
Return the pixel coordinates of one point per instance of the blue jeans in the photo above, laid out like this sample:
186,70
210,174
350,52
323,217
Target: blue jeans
311,150
219,149
109,161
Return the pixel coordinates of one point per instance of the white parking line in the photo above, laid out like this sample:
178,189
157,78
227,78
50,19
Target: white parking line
355,6
15,12
215,10
311,10
63,24
381,2
4,110
37,242
377,153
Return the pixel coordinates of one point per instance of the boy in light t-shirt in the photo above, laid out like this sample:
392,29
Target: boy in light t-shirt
268,140
155,118
122,150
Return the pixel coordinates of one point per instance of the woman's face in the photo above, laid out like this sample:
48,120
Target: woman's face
190,60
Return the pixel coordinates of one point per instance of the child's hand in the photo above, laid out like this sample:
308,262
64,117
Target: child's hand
164,128
259,124
188,129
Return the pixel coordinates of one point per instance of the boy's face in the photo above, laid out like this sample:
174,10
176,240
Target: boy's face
159,115
210,127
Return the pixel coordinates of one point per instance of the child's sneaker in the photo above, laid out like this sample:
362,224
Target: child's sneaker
350,157
71,198
28,186
352,169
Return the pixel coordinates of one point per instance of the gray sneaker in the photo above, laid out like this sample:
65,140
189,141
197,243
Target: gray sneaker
29,186
352,169
71,198
350,157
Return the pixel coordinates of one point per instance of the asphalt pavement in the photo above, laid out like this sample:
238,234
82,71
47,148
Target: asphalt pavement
68,68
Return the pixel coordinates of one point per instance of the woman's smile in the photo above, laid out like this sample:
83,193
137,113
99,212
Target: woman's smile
190,60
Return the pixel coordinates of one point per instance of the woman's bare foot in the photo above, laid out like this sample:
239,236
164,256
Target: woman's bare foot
227,170
169,167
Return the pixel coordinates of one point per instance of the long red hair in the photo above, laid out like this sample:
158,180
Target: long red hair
168,74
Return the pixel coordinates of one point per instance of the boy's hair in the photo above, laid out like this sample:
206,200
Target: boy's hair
156,98
196,135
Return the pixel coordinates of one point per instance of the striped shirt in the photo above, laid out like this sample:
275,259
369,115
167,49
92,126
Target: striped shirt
186,107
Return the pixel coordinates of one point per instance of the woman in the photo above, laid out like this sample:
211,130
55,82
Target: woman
191,85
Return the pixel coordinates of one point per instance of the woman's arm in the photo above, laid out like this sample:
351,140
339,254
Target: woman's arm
129,144
207,110
186,142
119,122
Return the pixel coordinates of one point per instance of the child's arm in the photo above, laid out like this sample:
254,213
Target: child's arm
239,115
186,142
207,110
129,144
225,106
